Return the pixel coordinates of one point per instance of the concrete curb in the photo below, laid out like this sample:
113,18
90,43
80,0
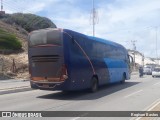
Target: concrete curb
15,90
12,80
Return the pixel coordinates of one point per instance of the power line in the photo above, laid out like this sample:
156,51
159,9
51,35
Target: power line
130,29
12,7
17,7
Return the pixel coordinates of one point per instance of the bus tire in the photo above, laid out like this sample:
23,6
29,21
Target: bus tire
33,86
94,84
123,78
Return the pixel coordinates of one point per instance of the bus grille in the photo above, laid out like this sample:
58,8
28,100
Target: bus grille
47,58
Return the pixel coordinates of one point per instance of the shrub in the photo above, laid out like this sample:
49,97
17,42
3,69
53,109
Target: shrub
9,41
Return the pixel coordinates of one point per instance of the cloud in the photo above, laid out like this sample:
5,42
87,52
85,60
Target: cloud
119,20
124,20
26,6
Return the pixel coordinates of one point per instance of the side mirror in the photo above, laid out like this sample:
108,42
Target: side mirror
131,62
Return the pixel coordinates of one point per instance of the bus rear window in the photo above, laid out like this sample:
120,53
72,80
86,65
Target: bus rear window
44,37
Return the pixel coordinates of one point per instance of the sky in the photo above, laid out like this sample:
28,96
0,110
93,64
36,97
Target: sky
121,21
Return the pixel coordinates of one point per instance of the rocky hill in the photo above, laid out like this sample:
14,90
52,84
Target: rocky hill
29,22
20,58
15,64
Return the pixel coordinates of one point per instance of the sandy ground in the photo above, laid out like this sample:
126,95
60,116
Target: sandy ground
17,69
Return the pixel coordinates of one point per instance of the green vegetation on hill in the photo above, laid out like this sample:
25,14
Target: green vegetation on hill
9,41
29,22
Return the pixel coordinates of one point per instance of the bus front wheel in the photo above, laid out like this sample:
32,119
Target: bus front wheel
94,84
123,78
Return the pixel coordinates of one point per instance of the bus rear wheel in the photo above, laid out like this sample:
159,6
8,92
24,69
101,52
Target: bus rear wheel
94,85
33,86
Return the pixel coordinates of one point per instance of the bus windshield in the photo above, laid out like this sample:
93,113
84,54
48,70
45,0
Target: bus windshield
45,37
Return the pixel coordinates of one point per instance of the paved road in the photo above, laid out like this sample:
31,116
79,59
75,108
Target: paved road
12,86
136,94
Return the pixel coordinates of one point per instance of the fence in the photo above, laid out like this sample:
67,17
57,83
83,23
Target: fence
1,65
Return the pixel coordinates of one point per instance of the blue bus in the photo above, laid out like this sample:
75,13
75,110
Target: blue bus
62,59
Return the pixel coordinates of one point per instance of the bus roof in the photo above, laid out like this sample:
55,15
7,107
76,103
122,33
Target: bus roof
97,39
89,37
106,41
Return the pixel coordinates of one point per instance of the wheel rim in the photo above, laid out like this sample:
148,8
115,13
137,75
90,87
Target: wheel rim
94,85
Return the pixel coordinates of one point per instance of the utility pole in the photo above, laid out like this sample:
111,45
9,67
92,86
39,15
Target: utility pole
143,60
2,12
156,44
134,44
94,17
134,49
93,22
1,5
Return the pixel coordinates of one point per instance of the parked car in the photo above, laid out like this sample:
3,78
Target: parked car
156,72
147,70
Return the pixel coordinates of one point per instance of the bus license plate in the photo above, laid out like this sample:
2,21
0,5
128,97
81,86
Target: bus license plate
45,85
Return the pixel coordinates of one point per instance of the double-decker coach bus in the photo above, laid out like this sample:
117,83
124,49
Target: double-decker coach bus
61,59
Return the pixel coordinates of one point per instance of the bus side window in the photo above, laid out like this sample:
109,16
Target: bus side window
113,53
93,50
100,50
76,45
122,54
89,48
108,52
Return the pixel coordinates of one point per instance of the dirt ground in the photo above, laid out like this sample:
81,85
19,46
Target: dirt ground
14,66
